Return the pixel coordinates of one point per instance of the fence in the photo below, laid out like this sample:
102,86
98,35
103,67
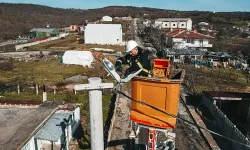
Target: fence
226,127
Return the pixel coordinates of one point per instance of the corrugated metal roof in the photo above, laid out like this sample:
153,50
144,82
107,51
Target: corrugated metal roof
173,19
42,30
186,52
53,128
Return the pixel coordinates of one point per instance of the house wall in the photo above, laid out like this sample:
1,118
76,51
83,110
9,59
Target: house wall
158,24
174,24
30,145
189,24
74,28
103,34
181,43
165,24
182,25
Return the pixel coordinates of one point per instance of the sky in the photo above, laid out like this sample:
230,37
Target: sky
202,5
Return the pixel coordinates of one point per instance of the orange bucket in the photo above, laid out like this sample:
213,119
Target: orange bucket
158,92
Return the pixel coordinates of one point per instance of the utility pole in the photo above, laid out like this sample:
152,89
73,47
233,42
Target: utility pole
95,87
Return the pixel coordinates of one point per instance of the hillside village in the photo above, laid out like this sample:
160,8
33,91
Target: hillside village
41,68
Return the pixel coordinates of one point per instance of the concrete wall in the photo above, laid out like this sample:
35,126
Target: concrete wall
227,128
30,145
21,46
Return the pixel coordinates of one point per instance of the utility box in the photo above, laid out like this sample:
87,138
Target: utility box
162,93
161,68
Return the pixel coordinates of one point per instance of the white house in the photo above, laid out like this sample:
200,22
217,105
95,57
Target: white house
103,34
174,23
146,22
185,39
106,18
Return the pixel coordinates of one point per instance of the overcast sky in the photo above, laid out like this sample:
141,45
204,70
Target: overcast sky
204,5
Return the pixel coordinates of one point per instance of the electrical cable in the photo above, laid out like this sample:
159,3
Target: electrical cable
184,120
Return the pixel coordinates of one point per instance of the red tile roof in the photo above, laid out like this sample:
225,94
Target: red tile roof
188,34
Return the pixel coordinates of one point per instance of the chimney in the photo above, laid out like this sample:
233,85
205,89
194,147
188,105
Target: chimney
195,31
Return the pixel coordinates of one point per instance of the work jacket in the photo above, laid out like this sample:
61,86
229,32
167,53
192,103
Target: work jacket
141,61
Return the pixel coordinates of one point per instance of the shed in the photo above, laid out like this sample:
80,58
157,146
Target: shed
43,32
84,58
103,34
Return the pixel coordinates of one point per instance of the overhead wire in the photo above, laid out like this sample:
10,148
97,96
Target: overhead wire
179,118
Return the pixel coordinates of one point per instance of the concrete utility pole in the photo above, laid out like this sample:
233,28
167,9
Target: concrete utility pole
95,87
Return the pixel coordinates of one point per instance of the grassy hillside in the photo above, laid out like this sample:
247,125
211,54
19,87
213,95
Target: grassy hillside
18,19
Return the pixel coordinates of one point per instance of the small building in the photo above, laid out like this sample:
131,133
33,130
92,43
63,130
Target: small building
185,39
30,125
107,18
74,28
43,32
146,22
243,29
174,23
184,56
103,34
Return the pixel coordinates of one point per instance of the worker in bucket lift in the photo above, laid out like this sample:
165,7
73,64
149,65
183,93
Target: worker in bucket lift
137,58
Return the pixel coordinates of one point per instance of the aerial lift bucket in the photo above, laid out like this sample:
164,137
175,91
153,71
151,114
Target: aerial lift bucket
160,92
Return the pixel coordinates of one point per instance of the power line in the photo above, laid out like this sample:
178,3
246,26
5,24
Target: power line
184,120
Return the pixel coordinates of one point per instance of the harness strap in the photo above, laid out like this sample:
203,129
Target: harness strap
143,69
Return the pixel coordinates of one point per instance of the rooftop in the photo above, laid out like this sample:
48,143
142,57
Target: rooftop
173,19
186,52
178,33
42,30
54,127
17,124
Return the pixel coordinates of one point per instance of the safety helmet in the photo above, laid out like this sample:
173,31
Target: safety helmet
130,45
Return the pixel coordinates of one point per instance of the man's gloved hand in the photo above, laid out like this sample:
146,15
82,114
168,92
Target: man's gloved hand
118,66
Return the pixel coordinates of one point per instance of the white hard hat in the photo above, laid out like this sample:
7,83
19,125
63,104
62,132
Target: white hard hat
130,45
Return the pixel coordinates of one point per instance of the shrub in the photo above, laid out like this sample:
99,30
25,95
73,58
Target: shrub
6,65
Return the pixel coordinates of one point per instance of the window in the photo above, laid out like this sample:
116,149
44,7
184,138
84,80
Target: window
190,41
182,25
174,25
201,41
